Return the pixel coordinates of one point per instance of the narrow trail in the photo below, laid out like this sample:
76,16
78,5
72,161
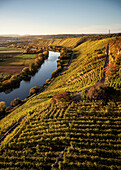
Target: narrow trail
106,64
11,129
60,157
2,137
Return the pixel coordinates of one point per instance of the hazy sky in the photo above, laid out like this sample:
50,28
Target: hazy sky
59,16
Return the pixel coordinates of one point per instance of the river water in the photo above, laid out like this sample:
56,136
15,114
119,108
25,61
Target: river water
39,78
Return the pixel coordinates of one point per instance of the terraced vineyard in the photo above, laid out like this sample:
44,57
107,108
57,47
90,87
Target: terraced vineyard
67,135
91,131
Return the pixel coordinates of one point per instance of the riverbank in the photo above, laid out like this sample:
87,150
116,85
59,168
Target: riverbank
45,86
60,66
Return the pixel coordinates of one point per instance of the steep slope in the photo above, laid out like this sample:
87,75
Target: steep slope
90,130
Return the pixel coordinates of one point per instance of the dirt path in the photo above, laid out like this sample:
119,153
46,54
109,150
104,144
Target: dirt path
11,129
78,95
106,63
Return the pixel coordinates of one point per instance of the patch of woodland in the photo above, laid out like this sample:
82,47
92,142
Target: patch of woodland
99,91
25,74
61,97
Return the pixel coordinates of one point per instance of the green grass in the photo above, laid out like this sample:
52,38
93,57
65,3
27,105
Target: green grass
24,59
90,129
10,50
27,56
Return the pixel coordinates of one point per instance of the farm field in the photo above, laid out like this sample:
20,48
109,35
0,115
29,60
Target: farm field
13,60
21,59
84,134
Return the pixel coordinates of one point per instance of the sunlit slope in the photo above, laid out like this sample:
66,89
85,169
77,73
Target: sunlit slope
113,71
56,41
74,79
65,42
69,42
90,130
86,68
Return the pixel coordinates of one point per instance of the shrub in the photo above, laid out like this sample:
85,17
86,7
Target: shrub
8,109
34,90
32,68
26,71
11,83
38,61
98,91
45,53
48,81
101,91
5,84
41,59
14,81
2,108
15,102
56,72
61,97
40,55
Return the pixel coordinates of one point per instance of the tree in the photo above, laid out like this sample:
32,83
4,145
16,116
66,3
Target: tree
15,102
2,108
62,97
25,71
32,68
34,90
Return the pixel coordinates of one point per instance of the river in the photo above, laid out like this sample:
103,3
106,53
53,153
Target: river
39,78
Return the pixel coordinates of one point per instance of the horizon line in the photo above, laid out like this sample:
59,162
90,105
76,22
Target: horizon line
16,34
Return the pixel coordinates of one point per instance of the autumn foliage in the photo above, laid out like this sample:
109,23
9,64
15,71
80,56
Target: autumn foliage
113,69
2,107
98,91
96,58
61,97
15,102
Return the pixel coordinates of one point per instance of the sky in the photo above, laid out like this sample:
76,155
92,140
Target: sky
38,17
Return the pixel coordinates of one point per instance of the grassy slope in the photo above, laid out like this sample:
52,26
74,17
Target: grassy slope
69,42
114,69
56,41
84,125
69,80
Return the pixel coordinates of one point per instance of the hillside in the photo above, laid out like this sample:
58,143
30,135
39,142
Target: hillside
84,134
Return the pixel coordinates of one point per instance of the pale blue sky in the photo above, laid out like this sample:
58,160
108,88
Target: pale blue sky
59,16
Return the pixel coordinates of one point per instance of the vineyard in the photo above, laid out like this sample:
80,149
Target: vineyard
113,71
90,131
73,135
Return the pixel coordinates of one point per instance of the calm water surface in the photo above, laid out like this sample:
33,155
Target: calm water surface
39,78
